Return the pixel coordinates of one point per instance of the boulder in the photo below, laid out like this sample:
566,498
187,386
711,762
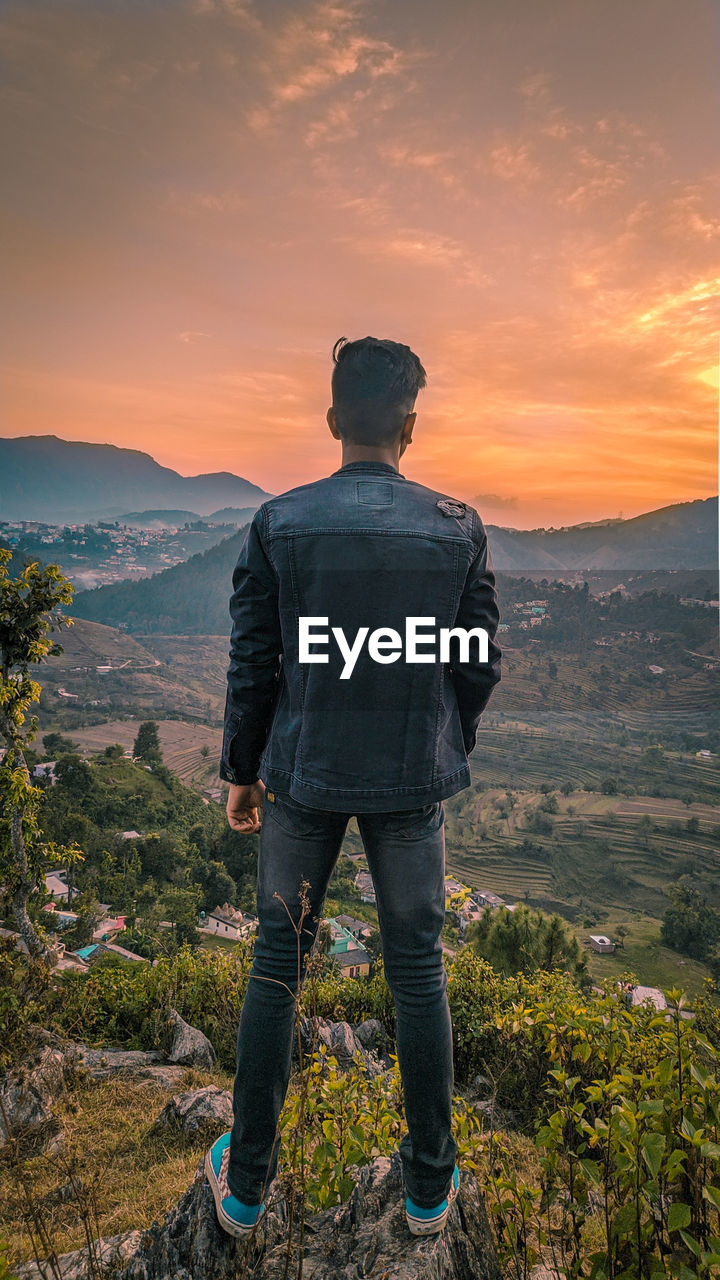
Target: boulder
342,1042
367,1236
27,1093
495,1117
206,1111
373,1036
190,1047
111,1252
101,1063
165,1077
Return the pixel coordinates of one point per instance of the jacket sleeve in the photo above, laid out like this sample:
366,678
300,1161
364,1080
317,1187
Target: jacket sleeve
474,681
255,649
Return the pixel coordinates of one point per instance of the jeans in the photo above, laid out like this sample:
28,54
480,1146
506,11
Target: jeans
405,851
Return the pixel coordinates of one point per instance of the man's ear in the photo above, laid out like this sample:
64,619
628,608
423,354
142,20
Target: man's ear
330,417
406,435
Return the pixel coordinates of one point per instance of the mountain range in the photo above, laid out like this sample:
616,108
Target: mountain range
192,597
682,536
72,481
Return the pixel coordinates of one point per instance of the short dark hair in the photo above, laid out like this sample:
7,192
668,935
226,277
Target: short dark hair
374,387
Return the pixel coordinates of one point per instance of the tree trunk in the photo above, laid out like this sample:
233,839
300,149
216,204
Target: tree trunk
26,928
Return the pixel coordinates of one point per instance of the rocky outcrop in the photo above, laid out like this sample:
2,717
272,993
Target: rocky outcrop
190,1047
207,1112
366,1237
27,1094
108,1255
369,1040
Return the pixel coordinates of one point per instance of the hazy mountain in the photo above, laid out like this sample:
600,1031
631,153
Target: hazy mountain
176,519
192,598
66,481
684,536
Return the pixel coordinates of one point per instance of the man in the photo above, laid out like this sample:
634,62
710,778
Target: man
362,656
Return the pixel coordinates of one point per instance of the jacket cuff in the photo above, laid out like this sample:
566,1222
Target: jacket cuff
237,779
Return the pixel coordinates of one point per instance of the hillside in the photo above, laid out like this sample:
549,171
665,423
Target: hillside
49,479
176,519
683,536
189,598
192,597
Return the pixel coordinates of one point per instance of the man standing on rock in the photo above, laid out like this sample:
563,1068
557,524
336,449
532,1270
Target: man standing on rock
363,654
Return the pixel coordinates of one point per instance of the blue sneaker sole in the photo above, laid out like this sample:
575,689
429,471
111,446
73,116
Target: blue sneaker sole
431,1225
228,1224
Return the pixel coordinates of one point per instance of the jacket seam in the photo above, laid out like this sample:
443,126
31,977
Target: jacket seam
382,533
368,791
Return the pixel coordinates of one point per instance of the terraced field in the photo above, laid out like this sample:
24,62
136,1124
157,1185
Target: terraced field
181,744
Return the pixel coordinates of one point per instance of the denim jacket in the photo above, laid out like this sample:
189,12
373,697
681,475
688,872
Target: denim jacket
361,548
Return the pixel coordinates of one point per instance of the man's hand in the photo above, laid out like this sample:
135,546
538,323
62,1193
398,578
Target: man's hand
245,806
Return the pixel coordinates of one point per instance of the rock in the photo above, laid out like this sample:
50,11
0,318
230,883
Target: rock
373,1036
206,1111
367,1236
28,1093
113,1251
495,1117
190,1047
165,1077
101,1063
342,1043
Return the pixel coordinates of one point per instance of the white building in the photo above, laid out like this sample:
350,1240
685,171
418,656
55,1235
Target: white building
599,942
227,922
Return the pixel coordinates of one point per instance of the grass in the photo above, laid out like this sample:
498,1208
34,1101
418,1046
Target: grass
643,954
137,1176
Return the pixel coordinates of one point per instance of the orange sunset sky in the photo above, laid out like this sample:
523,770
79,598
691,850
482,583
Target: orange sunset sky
201,196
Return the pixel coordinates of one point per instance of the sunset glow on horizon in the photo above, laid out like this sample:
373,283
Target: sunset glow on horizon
201,196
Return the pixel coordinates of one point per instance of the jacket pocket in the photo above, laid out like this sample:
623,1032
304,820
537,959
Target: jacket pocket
294,818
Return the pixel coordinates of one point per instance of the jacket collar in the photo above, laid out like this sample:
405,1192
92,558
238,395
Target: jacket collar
380,467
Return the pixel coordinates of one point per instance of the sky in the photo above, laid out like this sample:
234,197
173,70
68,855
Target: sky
201,196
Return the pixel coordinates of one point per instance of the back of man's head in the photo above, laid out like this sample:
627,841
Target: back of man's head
374,386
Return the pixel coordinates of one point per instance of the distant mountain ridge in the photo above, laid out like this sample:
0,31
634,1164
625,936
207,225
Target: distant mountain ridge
682,536
192,597
71,481
176,519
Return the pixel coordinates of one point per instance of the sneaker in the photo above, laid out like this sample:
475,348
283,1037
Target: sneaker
234,1217
427,1222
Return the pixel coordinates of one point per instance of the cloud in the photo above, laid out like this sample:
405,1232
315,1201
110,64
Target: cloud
495,501
317,50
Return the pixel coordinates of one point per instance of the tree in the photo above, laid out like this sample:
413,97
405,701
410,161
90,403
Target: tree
525,941
27,614
219,888
691,925
147,744
56,745
182,907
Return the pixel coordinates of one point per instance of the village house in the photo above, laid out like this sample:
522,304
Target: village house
484,898
56,887
108,928
46,769
61,919
365,887
599,942
352,960
358,928
227,922
635,995
95,950
453,886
